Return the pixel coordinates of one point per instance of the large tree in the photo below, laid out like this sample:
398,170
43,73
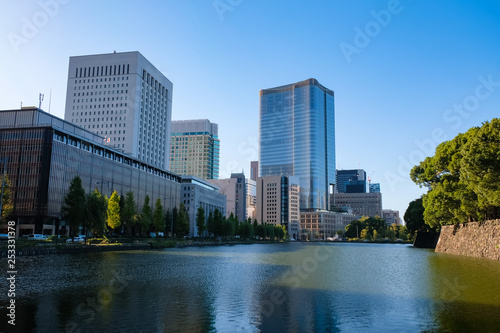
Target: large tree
182,225
113,213
146,216
127,212
158,220
211,224
463,177
200,221
414,217
74,205
95,213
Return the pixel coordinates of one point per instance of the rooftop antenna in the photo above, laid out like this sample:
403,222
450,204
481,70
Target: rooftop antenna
40,100
50,98
21,105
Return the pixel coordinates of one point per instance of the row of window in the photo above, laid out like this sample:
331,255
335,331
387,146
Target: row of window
102,70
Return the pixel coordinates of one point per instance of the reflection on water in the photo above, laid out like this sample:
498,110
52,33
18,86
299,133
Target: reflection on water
292,287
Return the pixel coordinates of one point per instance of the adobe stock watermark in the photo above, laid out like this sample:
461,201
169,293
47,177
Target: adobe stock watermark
223,6
454,116
87,309
373,28
452,291
295,277
31,26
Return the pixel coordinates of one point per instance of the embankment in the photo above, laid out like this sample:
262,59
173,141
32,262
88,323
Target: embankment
474,239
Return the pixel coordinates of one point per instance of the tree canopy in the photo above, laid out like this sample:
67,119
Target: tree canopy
74,205
463,177
113,219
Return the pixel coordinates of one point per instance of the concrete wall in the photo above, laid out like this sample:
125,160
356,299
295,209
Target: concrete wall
475,239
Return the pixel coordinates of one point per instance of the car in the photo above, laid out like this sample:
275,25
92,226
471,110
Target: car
37,237
4,236
77,239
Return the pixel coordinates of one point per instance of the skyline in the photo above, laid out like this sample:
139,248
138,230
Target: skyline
406,76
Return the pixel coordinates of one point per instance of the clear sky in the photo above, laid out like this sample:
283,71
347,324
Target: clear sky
406,74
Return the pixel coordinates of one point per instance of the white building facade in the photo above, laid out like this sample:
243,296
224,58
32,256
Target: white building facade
124,98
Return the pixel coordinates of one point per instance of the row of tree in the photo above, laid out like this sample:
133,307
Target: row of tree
463,178
118,214
374,228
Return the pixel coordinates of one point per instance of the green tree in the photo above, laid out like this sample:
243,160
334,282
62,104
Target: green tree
218,223
113,219
96,213
158,220
463,177
353,229
414,217
127,212
200,221
182,227
7,206
211,224
146,216
74,205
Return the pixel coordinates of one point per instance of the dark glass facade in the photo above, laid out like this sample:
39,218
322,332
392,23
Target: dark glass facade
297,138
44,154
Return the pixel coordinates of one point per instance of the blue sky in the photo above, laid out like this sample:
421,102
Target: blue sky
406,74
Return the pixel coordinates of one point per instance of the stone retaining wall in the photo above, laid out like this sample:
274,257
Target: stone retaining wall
474,239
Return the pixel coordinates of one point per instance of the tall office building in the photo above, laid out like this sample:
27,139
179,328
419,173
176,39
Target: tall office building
254,170
297,138
124,98
351,181
194,148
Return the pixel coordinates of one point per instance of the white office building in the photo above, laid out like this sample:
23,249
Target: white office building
124,98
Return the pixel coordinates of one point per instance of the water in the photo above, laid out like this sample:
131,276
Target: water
295,287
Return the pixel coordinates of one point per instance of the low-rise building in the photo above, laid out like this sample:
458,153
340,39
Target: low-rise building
196,193
234,189
323,224
43,154
278,200
391,216
362,204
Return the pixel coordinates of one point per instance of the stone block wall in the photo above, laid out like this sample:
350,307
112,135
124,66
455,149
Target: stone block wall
474,239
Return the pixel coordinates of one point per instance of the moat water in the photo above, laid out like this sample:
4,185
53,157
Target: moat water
294,287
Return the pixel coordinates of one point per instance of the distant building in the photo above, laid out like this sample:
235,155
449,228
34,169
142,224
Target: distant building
44,153
124,98
278,202
196,193
195,148
297,138
321,225
254,170
251,199
374,187
351,181
391,216
362,204
234,189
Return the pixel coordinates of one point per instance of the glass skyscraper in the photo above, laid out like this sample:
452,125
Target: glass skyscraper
297,138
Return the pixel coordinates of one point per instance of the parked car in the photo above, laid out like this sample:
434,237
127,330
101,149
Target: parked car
78,239
37,237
